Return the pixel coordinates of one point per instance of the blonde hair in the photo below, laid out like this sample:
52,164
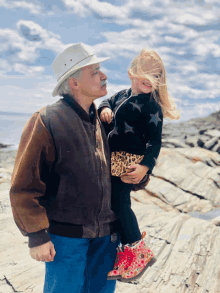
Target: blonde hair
157,76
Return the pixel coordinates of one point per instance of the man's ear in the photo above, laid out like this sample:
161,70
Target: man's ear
73,83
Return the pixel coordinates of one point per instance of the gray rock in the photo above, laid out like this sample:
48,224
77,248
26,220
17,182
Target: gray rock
3,145
202,131
190,175
211,143
168,145
197,154
192,141
216,221
175,142
202,139
213,133
216,148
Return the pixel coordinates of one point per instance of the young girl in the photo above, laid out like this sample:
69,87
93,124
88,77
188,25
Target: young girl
133,122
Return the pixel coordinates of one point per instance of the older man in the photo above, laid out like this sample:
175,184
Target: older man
61,193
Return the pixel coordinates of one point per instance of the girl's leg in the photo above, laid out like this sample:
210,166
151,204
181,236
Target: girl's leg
133,260
121,205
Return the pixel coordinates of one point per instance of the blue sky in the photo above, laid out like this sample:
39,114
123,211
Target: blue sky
186,34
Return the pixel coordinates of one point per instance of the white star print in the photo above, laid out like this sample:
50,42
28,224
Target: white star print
148,145
128,128
155,118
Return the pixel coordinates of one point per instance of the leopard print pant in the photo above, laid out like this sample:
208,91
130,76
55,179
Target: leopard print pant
121,160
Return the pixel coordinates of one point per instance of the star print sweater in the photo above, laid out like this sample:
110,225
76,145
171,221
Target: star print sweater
136,126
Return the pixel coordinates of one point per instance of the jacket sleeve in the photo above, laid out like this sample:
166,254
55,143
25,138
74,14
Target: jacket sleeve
35,148
110,103
105,103
153,122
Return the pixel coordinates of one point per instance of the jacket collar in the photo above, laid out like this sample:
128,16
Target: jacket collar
80,111
128,93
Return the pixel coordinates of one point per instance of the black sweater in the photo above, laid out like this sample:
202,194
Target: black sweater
136,127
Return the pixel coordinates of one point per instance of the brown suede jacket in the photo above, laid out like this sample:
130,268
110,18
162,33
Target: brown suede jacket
61,178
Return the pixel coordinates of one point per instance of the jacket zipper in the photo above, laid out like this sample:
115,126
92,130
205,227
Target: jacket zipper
102,198
116,110
100,162
94,132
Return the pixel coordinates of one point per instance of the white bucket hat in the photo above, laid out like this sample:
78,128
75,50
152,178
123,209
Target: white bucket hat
70,60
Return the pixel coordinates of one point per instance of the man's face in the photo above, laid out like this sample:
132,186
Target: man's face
91,82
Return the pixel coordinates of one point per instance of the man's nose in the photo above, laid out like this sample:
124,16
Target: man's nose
103,76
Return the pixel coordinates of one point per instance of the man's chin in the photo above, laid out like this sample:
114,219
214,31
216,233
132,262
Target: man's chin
104,91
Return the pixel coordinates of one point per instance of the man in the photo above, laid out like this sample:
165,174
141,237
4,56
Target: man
61,193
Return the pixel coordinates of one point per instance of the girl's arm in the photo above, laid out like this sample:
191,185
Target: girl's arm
110,103
105,109
153,122
106,103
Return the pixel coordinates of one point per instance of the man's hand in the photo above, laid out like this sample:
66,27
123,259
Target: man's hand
135,176
106,115
44,252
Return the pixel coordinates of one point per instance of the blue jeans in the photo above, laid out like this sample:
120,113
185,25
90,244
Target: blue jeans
81,265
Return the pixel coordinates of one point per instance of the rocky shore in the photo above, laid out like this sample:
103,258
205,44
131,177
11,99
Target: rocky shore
199,132
185,182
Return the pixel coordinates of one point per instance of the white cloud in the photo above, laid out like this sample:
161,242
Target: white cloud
194,86
22,46
188,18
4,65
174,40
207,43
32,94
34,9
77,7
205,109
104,9
189,69
182,13
48,40
29,71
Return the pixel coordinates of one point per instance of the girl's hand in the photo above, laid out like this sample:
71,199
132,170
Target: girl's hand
106,115
135,176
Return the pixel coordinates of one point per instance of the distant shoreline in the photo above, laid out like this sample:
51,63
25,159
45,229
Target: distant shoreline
14,113
4,146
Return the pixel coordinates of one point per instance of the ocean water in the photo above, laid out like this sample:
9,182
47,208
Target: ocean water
11,126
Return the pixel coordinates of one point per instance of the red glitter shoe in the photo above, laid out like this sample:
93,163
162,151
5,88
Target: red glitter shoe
137,259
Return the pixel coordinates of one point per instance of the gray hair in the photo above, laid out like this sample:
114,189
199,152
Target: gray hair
64,88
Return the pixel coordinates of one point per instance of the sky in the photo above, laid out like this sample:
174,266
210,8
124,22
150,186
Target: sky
186,34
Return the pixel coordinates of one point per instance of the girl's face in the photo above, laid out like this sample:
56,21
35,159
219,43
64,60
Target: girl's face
140,86
144,85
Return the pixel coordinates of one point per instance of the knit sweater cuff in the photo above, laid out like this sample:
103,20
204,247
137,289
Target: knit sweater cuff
38,238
